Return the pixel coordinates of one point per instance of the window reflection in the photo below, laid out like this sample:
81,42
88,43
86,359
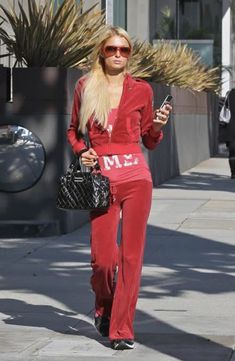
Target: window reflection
22,158
189,20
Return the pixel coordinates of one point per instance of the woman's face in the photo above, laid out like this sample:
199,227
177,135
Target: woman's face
115,51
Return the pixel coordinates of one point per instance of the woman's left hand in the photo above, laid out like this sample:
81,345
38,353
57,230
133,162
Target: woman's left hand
161,117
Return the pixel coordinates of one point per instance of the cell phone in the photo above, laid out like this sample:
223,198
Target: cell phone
166,100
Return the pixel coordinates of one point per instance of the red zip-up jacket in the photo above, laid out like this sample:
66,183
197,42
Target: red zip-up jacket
134,120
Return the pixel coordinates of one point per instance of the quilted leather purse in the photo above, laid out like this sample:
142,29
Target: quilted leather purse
88,190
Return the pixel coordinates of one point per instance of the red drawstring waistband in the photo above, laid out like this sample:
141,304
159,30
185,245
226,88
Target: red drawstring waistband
113,191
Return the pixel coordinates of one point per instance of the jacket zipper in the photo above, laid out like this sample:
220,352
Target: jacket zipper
120,103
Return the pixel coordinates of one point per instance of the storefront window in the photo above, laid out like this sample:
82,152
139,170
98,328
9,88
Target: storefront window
189,20
162,15
119,13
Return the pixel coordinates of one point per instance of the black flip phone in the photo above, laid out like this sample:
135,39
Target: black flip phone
166,100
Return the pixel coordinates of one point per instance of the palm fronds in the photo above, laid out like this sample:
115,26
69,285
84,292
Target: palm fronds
51,35
64,36
173,65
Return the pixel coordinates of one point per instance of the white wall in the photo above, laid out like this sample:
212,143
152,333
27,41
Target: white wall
89,3
138,19
226,46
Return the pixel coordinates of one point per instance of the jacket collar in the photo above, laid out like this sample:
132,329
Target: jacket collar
129,80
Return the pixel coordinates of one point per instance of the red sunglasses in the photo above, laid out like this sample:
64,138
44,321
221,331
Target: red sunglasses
111,50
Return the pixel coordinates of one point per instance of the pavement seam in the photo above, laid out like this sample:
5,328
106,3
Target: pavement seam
25,255
195,210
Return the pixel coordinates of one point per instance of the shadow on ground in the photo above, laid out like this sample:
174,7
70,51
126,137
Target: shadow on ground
204,180
49,283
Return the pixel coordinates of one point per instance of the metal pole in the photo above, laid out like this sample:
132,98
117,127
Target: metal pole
177,20
109,12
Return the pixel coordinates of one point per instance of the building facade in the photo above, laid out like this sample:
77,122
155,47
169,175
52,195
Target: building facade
207,26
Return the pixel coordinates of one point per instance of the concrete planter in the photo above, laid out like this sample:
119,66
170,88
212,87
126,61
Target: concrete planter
4,88
191,135
42,100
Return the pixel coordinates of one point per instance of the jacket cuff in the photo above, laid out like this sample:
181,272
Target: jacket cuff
78,154
155,134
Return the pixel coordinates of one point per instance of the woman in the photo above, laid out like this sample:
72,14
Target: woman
116,110
227,132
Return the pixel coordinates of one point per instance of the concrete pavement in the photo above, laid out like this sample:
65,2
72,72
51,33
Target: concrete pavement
186,305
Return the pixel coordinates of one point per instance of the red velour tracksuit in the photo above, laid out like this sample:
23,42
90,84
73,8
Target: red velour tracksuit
117,298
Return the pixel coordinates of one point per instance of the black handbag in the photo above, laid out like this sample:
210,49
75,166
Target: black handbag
88,190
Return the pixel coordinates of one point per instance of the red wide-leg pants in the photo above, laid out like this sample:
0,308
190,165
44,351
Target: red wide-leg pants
117,300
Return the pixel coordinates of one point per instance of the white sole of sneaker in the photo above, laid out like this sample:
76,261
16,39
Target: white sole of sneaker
122,345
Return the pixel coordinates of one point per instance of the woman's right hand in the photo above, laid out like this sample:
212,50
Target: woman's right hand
89,158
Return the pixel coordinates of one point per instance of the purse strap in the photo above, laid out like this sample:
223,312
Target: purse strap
75,166
226,100
88,145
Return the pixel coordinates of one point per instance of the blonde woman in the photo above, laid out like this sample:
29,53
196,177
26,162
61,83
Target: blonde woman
116,111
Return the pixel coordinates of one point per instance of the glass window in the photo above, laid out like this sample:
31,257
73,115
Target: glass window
120,13
22,158
162,14
188,19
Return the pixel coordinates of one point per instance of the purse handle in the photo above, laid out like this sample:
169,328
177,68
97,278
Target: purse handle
226,100
75,165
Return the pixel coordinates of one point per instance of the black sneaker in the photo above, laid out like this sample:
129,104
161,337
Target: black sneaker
122,344
102,325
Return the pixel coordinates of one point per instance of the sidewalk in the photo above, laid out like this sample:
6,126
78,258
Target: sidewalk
186,305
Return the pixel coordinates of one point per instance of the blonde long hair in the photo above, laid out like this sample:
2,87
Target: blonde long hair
95,97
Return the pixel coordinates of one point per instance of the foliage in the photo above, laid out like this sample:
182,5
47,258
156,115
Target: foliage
173,65
63,35
52,34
